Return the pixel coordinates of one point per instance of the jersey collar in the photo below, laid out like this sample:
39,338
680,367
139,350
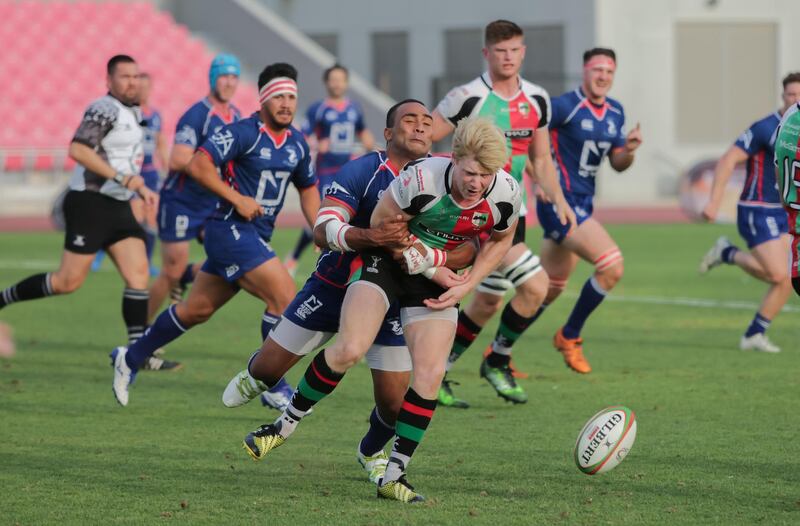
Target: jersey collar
388,163
599,112
277,138
487,79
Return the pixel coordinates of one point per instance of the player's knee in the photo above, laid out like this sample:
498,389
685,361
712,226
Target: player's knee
195,313
555,287
428,379
610,276
347,355
777,277
486,305
534,290
66,283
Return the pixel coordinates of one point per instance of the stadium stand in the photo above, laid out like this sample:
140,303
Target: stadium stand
54,56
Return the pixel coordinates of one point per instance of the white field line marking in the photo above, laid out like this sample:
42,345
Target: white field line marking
702,303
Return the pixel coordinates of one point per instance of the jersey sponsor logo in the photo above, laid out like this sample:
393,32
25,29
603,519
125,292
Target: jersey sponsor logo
222,141
373,268
587,125
479,219
444,235
746,138
306,308
612,128
524,108
80,241
524,133
231,270
395,326
292,159
265,153
336,188
330,115
186,135
420,180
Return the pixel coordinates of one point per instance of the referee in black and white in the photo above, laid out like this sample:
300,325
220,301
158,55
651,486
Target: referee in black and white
108,149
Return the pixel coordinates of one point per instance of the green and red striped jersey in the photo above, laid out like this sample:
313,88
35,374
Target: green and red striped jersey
519,117
423,190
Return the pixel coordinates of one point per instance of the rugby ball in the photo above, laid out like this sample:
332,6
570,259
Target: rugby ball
605,440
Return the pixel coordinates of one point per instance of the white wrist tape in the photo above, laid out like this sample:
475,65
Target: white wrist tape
334,233
430,272
416,263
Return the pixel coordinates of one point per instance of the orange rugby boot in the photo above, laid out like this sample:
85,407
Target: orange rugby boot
514,372
572,350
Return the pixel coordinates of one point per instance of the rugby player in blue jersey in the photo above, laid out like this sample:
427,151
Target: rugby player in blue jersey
185,204
587,127
259,156
333,125
761,219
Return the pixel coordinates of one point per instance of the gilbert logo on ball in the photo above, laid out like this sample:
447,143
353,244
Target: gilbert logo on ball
605,440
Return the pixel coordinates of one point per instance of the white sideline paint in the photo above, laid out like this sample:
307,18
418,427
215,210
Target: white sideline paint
678,301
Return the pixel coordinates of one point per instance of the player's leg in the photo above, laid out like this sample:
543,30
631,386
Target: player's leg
772,258
271,283
68,278
130,258
174,264
209,293
592,243
530,282
363,309
390,366
305,239
429,335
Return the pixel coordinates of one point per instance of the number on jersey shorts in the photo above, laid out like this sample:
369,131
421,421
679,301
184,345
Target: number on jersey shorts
582,205
313,318
787,164
234,249
759,224
179,223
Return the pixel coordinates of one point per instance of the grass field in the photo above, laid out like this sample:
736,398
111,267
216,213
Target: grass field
716,441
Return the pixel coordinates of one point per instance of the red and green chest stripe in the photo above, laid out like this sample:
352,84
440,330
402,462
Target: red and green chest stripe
445,225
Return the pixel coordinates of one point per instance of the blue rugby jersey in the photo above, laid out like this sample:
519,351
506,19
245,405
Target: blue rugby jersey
259,164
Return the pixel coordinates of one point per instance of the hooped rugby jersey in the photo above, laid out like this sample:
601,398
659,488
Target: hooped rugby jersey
259,164
423,190
341,124
582,134
787,172
519,117
200,121
152,126
357,187
114,131
758,141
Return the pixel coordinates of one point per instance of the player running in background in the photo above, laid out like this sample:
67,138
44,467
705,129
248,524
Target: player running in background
787,166
260,155
108,149
185,204
761,219
343,229
446,203
522,110
587,127
333,125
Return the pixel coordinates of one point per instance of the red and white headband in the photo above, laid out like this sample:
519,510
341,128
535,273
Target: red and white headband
275,87
601,61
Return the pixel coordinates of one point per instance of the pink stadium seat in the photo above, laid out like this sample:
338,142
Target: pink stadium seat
45,78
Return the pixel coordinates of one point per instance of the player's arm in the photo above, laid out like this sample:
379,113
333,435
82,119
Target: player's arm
309,203
722,173
333,231
202,169
180,157
622,158
543,172
442,127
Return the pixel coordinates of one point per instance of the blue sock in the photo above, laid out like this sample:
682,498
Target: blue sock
591,296
98,260
268,321
377,436
165,329
149,244
728,253
759,324
188,275
305,239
